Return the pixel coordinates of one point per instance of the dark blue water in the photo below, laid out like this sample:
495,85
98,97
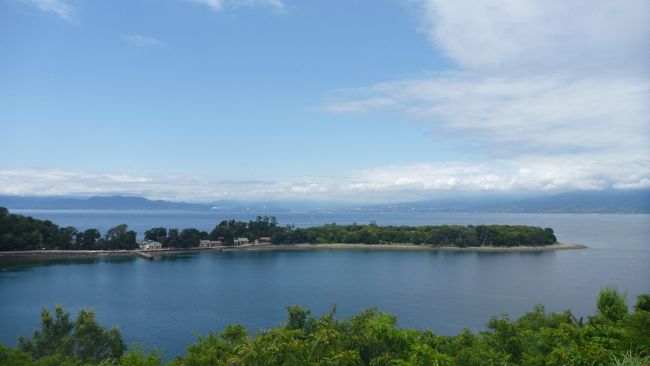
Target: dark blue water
163,303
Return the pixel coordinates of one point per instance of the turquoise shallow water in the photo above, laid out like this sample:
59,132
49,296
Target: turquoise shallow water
163,303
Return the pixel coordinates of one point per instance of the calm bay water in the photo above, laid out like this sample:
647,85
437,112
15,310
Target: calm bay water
163,303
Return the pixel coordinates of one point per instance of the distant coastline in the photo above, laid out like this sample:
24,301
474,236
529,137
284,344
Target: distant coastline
597,201
38,254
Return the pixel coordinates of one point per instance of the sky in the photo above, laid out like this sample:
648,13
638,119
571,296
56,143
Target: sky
340,100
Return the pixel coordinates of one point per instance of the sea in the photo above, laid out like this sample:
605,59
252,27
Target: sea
165,303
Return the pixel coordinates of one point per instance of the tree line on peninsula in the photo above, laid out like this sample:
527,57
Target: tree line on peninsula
613,336
19,232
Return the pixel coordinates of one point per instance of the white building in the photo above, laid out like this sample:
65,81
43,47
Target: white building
241,241
149,245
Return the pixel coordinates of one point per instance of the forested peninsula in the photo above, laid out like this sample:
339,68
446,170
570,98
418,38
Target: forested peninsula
23,233
613,336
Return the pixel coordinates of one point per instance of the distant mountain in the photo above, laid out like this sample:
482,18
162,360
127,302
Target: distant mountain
141,203
96,203
604,201
456,204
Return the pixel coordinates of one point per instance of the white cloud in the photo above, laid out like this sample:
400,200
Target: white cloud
554,93
381,184
526,173
549,112
67,182
218,5
540,34
57,7
142,40
212,4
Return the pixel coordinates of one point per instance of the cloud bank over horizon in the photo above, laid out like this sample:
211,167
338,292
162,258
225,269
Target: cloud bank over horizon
385,184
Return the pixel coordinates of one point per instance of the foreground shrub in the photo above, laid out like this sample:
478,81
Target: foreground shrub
538,338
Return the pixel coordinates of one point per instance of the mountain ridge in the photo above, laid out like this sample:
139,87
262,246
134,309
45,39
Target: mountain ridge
604,201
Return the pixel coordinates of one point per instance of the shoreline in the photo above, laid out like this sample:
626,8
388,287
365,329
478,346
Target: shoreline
406,247
39,254
62,254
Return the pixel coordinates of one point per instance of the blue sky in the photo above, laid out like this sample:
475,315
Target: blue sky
330,100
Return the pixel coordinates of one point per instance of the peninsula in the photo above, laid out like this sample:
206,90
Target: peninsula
23,236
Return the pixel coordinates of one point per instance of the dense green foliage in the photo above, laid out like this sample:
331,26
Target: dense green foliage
62,341
19,232
611,337
445,235
24,233
172,238
228,230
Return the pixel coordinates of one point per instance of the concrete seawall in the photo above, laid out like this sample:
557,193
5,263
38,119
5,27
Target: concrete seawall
149,254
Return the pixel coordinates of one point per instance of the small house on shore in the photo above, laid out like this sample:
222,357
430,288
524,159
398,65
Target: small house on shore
241,241
210,243
149,245
263,240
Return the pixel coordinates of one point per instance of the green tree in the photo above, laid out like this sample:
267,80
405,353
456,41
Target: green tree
297,317
82,339
119,237
88,239
642,303
638,325
158,234
137,357
263,226
14,357
611,305
189,238
370,338
54,336
92,342
172,239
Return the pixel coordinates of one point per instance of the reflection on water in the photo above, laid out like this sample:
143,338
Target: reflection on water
28,263
25,263
177,257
